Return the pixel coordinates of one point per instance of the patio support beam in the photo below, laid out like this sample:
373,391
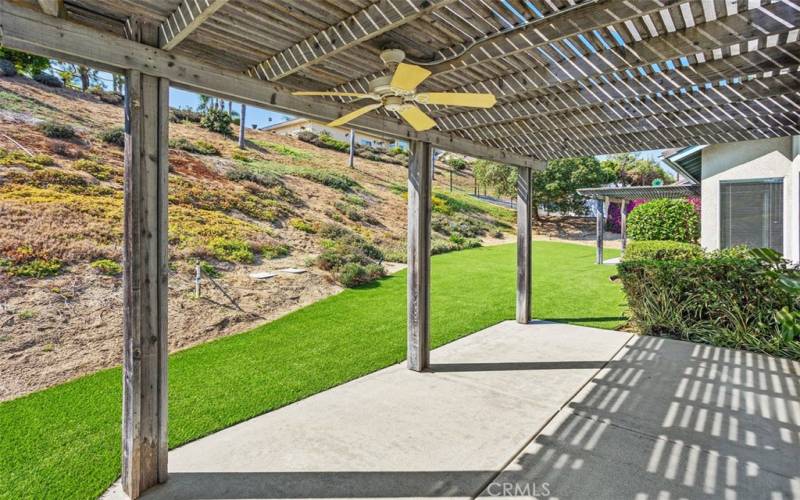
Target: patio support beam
600,229
144,403
623,224
420,173
524,244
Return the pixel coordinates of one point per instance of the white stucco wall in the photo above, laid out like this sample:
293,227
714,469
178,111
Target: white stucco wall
762,159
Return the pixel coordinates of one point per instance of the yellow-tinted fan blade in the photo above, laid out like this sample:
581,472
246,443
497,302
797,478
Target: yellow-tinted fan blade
467,99
355,114
337,94
408,76
417,118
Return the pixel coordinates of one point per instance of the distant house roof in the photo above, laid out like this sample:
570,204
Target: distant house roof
687,161
286,123
642,192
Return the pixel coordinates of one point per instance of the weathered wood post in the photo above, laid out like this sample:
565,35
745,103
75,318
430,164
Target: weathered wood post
242,125
419,254
351,160
524,253
623,224
144,401
600,223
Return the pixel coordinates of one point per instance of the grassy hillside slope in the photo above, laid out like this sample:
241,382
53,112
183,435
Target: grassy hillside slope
281,203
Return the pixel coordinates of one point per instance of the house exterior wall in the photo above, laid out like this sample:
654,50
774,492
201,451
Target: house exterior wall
751,160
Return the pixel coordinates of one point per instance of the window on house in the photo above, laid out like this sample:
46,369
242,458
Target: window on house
752,214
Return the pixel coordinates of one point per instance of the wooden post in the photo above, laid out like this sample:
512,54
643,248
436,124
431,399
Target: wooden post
419,254
623,224
600,229
524,253
242,126
351,161
144,402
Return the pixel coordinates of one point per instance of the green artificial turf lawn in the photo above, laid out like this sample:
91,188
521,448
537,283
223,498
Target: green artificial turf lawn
64,442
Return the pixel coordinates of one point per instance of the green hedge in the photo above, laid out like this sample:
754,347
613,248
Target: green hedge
722,301
662,250
664,219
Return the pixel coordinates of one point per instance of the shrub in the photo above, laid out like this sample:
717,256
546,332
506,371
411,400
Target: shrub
7,68
208,269
353,274
55,130
107,266
21,159
115,136
662,250
198,147
458,164
265,179
178,115
96,169
302,225
343,247
230,250
332,143
720,301
48,80
34,268
664,219
218,121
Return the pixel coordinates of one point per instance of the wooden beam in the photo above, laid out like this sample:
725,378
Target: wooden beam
760,113
754,23
539,33
764,95
31,31
368,23
53,8
420,173
622,87
647,141
623,224
144,406
524,245
189,15
600,228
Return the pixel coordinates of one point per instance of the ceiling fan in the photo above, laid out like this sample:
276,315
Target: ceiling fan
397,92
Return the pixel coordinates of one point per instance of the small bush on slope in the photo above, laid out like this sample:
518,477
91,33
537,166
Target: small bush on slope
115,136
55,130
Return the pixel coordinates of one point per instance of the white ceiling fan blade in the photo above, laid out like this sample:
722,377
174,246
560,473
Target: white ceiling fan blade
466,99
355,114
417,118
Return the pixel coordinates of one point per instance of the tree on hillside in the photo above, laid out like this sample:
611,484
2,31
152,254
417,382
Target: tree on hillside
502,179
27,64
632,170
555,187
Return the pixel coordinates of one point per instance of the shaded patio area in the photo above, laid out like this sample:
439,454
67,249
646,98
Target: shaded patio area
517,410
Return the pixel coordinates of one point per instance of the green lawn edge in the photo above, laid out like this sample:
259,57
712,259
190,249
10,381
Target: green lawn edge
64,442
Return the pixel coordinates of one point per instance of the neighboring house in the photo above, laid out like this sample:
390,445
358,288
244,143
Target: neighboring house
293,127
750,192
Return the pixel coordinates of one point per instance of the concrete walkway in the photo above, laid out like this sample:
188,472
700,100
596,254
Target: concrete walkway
520,410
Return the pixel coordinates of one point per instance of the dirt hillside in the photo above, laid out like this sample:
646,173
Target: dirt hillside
282,203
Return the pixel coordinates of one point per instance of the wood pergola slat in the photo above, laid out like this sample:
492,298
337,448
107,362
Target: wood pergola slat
189,15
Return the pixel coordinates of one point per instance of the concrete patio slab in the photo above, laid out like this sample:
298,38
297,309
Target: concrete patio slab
671,419
523,411
397,433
